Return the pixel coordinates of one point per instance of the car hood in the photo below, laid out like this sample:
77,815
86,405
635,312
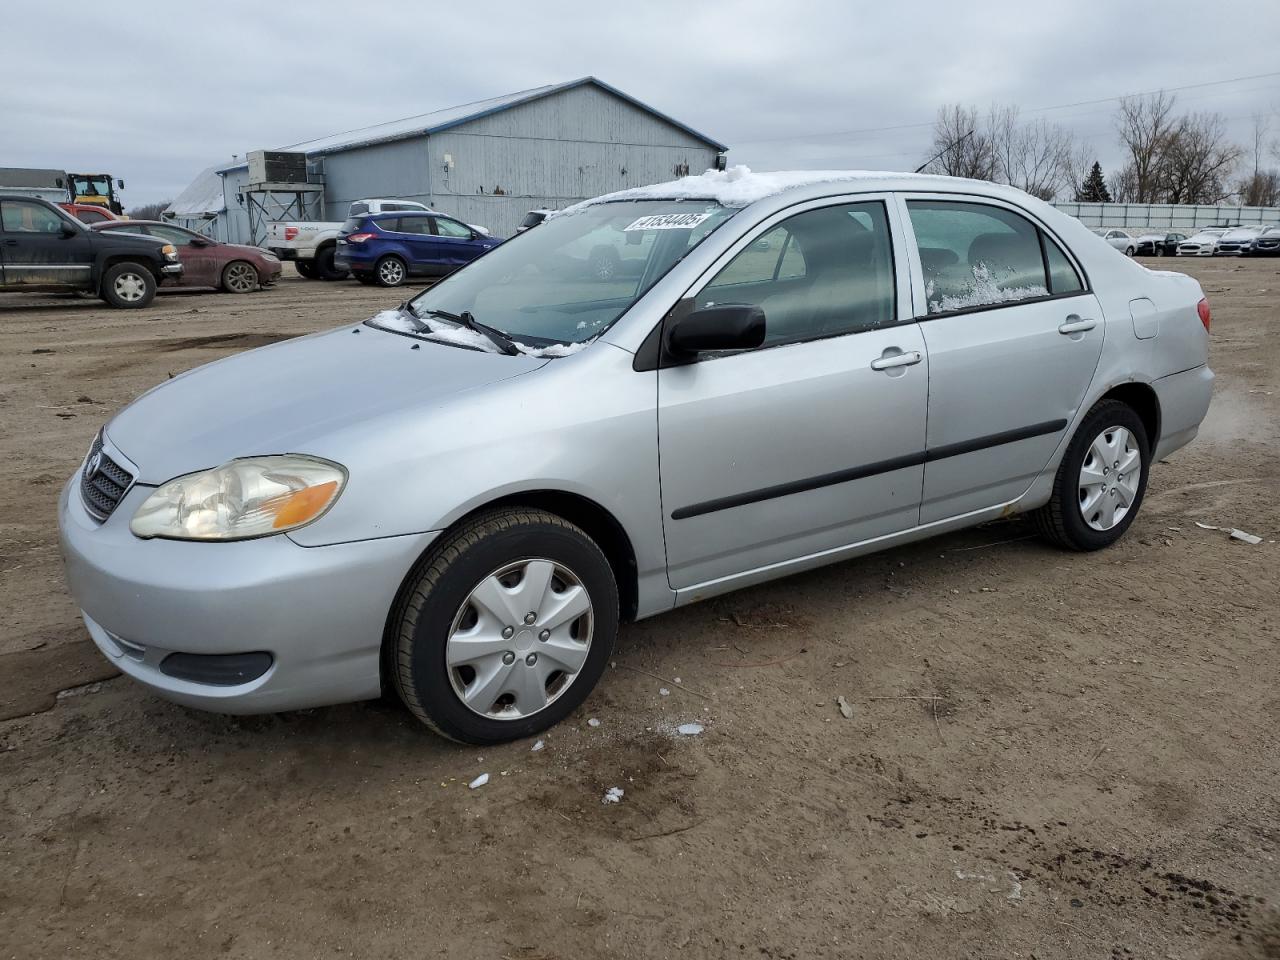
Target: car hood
298,396
245,248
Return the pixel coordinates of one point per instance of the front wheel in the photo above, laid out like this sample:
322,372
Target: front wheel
1100,482
390,272
239,276
128,285
325,268
505,628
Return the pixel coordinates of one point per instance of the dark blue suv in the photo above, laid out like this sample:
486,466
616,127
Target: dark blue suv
388,248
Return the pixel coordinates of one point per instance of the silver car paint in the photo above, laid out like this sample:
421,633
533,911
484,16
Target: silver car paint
431,434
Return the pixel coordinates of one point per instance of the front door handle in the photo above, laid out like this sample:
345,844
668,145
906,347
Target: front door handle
909,359
1074,324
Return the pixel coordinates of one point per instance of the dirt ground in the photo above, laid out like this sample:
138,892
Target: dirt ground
1049,755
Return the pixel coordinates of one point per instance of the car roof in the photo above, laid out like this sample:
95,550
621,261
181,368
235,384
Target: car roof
117,224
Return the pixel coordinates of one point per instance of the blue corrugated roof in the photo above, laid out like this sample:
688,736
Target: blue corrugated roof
449,117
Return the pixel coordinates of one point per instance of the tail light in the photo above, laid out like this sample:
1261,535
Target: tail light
359,237
1202,308
290,232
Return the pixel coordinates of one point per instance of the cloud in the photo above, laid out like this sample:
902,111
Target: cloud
181,86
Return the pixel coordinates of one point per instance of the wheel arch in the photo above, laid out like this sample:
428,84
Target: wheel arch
595,520
1141,397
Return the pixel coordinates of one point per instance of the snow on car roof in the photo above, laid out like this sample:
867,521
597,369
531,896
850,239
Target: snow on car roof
739,186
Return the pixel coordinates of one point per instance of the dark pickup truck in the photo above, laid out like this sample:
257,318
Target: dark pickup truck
44,248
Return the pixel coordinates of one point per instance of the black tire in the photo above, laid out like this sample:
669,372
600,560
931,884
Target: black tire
324,266
239,276
305,268
128,285
1061,520
390,271
439,587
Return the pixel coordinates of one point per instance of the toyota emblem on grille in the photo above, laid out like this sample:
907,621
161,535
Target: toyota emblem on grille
92,464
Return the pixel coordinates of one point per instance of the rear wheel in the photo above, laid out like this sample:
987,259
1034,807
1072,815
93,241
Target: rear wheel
390,271
505,628
305,268
324,266
128,285
239,276
1101,481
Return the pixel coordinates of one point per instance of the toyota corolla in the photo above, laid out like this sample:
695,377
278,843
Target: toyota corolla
460,499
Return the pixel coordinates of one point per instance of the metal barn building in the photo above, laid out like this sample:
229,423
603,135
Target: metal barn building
491,161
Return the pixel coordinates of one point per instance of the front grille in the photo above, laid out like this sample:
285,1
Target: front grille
103,482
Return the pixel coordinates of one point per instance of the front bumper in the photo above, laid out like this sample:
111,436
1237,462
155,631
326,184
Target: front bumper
318,611
172,272
284,253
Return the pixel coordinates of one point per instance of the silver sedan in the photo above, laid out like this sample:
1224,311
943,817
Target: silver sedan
462,498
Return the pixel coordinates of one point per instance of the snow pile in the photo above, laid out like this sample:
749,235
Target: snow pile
613,795
738,186
689,729
479,781
537,746
985,290
446,332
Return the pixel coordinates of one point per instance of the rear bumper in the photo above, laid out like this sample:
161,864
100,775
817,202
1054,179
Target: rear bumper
284,253
1184,400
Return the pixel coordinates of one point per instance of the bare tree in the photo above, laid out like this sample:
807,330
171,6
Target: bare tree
1034,156
1199,160
1145,125
149,211
1261,189
961,144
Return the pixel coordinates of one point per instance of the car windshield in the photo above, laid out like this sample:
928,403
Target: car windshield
574,276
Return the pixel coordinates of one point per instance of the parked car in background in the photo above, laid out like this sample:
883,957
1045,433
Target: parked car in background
206,262
460,498
389,248
1159,244
1202,243
1235,241
313,244
89,213
1265,244
532,219
42,247
1119,239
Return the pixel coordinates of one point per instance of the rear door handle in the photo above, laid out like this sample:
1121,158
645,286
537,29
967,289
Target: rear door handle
909,359
1074,324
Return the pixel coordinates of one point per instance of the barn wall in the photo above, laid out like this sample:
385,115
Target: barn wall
392,170
552,152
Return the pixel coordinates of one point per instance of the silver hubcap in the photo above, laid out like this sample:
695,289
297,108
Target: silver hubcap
130,287
1109,478
240,277
391,272
520,639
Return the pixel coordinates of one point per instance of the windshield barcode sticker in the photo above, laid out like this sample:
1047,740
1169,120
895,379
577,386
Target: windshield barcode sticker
667,221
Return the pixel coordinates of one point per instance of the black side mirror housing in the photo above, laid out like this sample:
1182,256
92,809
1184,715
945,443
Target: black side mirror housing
730,326
68,231
199,242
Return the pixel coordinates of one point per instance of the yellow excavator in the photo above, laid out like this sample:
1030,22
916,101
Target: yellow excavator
98,189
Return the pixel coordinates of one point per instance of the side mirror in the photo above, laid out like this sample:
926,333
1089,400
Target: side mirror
732,326
119,184
198,242
68,231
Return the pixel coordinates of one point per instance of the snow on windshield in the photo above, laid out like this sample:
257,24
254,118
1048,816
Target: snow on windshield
433,329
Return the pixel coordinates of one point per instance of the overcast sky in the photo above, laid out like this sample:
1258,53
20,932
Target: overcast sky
786,83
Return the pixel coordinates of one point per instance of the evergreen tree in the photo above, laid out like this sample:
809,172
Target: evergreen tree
1094,189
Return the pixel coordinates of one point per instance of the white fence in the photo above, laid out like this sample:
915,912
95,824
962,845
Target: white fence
1167,215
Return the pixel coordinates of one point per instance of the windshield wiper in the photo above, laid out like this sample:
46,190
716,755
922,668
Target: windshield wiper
465,319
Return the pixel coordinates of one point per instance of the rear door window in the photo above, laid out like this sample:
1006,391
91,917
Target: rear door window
974,255
416,225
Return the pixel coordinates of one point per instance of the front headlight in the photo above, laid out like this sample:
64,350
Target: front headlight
170,251
253,497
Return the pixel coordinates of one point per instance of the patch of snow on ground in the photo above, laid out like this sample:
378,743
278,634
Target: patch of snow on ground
537,746
689,729
593,722
613,795
479,781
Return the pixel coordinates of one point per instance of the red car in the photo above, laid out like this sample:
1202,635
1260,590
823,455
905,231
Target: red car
207,263
89,213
